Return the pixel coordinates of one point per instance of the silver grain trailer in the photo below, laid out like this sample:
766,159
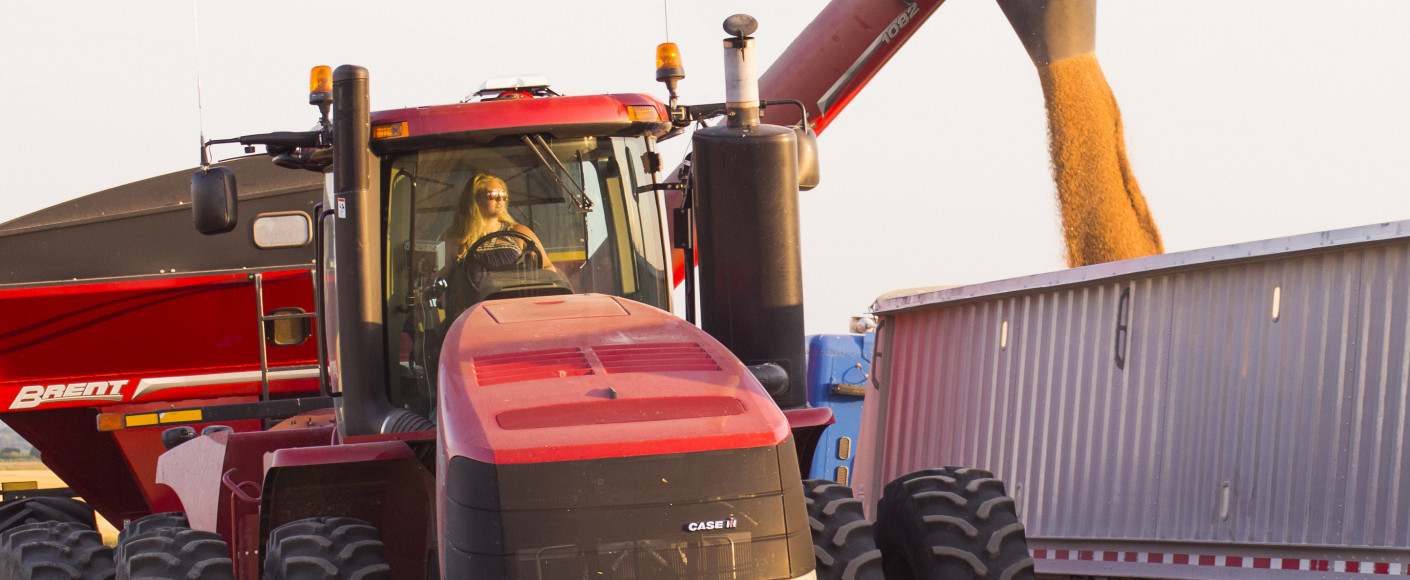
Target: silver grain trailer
1224,413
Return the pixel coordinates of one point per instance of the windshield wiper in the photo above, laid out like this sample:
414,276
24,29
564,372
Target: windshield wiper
581,200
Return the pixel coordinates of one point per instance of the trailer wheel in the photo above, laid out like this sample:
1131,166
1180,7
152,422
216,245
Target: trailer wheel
46,509
951,523
54,551
325,548
174,553
843,539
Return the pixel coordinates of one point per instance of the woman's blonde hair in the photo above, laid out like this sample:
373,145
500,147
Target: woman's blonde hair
472,221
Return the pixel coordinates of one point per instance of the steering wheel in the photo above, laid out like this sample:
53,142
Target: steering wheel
529,251
485,273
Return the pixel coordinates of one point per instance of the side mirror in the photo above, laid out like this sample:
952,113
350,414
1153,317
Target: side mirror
213,200
808,175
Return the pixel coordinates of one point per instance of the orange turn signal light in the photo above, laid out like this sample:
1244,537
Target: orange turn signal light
668,62
111,421
390,130
643,113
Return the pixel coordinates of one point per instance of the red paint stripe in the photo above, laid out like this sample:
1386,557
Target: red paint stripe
1260,563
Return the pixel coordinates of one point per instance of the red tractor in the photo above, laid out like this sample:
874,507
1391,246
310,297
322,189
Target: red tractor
501,390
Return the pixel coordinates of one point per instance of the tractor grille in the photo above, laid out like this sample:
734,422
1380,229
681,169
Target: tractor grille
645,358
629,518
717,557
528,366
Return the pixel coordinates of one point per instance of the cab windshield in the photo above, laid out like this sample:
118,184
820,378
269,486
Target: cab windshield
564,215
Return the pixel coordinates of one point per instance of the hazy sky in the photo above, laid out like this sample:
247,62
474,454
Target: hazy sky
1245,120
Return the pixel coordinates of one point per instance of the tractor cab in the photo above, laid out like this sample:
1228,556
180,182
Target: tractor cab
404,249
587,201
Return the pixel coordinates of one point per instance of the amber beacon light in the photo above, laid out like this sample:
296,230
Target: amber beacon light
669,69
668,63
320,85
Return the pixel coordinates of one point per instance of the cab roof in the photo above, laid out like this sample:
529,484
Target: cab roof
482,121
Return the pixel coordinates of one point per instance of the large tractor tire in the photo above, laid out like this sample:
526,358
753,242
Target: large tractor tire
326,548
843,539
951,523
174,553
54,551
46,509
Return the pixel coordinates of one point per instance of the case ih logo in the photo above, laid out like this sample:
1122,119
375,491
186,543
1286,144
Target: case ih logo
728,524
36,395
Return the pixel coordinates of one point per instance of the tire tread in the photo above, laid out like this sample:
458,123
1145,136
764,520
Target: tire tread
843,539
325,548
46,509
54,550
173,552
922,537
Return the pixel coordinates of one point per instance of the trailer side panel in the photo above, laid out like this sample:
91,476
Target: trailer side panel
1239,405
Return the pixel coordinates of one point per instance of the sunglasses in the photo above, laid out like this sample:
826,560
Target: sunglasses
497,195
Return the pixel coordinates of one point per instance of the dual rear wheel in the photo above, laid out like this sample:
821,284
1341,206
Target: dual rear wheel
52,538
326,548
950,523
163,546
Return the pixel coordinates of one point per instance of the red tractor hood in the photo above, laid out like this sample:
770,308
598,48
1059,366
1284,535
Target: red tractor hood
591,376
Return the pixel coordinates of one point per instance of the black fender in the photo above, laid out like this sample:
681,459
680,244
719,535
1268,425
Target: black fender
383,483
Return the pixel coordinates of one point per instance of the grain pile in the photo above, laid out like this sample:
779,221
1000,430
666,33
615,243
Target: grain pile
1104,215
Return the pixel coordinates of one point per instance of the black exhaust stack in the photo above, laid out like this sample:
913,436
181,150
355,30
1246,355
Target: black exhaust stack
351,305
361,368
746,208
361,360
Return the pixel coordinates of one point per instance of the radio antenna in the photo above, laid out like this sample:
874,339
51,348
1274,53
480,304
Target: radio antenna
200,110
665,14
